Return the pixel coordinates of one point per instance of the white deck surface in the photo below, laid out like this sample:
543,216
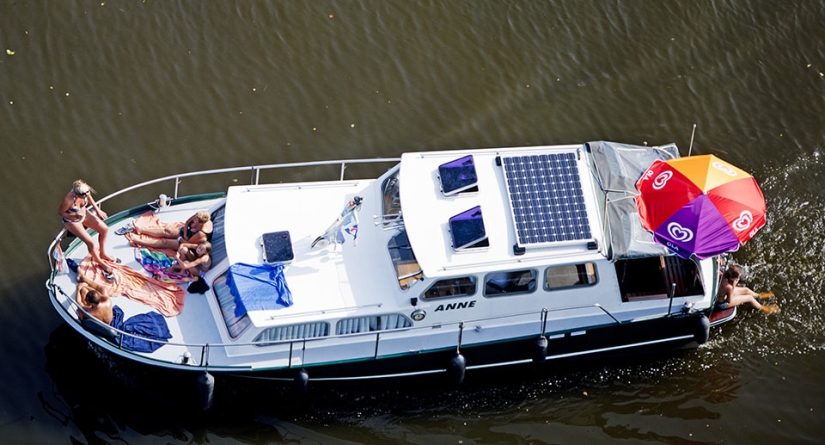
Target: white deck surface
320,279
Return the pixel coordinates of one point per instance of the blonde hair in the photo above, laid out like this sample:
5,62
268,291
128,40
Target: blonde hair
81,188
203,216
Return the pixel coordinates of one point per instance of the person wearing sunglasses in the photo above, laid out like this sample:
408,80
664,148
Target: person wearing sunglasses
79,211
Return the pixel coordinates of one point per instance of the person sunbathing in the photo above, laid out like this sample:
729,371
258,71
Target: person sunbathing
92,297
194,258
196,229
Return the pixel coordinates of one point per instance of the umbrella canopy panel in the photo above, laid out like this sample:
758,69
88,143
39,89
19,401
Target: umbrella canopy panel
700,205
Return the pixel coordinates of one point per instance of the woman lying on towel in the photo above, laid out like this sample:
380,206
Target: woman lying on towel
194,258
148,231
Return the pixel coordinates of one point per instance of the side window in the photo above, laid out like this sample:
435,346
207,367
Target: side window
451,287
570,275
390,199
510,283
403,259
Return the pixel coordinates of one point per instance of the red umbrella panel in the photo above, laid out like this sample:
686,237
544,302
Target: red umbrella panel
699,205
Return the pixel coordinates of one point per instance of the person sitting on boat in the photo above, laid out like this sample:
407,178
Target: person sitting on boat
194,258
196,229
92,297
76,218
730,295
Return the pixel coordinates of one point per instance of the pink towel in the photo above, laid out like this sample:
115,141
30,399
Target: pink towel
167,298
149,220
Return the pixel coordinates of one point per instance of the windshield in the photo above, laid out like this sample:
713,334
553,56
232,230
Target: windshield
403,260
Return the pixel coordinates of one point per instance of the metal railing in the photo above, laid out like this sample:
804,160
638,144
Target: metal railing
294,344
300,344
255,175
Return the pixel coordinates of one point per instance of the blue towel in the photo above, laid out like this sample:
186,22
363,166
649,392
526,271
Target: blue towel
258,287
150,325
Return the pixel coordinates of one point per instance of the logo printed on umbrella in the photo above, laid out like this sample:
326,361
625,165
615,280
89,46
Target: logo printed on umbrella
662,179
743,222
724,168
679,233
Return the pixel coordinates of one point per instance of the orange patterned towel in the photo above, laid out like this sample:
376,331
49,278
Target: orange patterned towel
167,298
149,220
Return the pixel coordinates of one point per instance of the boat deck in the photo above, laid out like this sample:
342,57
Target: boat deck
186,327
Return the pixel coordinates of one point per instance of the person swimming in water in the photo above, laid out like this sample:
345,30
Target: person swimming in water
730,295
79,211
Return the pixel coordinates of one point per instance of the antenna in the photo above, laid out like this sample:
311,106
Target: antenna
693,132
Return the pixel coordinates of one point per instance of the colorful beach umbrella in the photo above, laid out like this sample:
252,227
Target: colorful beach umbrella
699,205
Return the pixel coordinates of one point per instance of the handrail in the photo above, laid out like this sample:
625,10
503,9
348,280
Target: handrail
206,347
256,169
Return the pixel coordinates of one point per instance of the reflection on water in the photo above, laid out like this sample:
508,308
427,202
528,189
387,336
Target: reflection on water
104,397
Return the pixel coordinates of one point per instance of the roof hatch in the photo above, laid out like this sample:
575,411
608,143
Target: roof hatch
458,176
467,230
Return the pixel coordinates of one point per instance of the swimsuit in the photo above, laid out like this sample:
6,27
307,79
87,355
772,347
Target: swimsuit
76,209
190,233
203,267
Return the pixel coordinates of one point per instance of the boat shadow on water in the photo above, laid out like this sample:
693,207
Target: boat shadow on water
104,394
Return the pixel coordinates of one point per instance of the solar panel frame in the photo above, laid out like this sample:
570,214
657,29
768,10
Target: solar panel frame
546,199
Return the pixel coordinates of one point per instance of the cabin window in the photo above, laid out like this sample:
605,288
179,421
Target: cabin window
656,277
451,287
406,266
510,283
234,325
294,332
570,275
386,322
391,199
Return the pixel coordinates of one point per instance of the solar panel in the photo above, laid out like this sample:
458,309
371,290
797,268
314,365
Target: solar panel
458,175
546,198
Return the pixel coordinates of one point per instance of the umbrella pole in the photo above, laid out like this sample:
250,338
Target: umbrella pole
672,294
692,133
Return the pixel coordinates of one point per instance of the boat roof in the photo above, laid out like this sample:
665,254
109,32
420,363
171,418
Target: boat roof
464,212
551,184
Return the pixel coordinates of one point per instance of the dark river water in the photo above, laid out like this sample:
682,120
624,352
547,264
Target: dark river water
120,92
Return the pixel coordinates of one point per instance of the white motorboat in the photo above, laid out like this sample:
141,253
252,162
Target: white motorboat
449,261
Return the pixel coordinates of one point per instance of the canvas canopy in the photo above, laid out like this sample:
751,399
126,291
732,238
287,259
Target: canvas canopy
617,168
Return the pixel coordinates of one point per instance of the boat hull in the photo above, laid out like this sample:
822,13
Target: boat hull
648,336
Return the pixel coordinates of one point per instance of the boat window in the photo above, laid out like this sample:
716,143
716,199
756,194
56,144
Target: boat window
451,287
458,176
391,199
385,322
467,230
510,283
234,325
656,277
294,332
403,260
570,275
